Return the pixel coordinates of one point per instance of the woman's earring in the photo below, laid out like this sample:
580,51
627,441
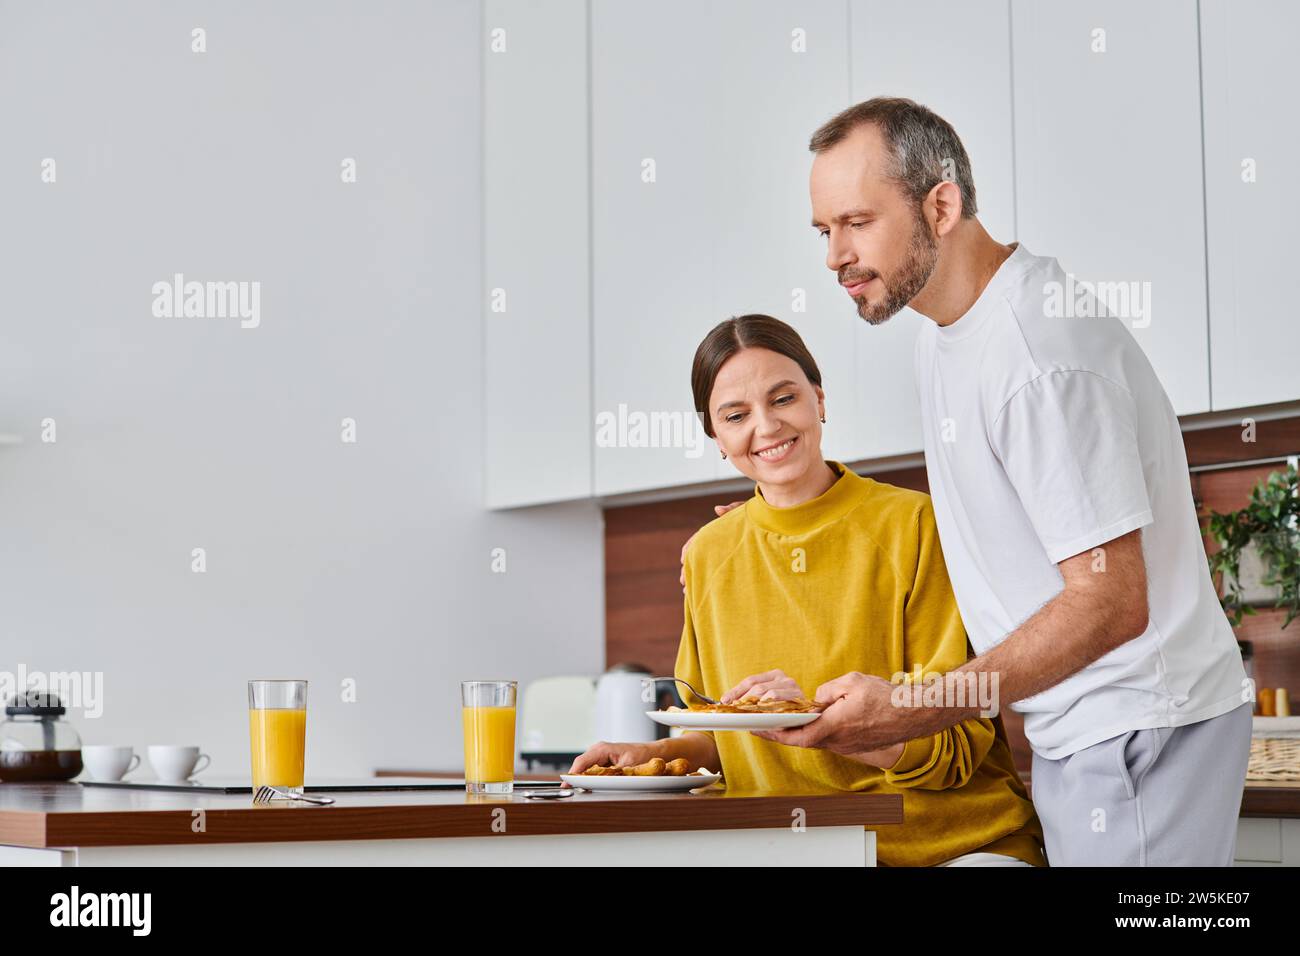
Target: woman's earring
823,419
724,455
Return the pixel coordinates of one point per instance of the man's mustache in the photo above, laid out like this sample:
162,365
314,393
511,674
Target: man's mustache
847,279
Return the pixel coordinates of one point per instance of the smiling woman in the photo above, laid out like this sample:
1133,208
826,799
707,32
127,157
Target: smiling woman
759,393
821,579
823,574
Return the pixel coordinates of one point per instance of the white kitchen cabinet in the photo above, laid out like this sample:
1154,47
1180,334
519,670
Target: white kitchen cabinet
537,382
1108,166
962,72
1083,123
654,236
786,74
701,115
1251,75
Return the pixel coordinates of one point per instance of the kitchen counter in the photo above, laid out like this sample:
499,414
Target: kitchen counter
1280,799
1258,800
65,824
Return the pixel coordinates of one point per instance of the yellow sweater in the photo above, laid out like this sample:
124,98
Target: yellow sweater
853,580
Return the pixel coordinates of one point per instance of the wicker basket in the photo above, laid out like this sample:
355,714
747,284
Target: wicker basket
1274,750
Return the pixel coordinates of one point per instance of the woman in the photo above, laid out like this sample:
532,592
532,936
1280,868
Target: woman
822,573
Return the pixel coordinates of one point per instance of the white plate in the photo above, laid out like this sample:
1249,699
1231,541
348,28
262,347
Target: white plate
689,781
697,721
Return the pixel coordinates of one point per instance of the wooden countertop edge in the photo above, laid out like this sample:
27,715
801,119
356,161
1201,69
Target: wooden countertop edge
1258,799
275,824
1266,801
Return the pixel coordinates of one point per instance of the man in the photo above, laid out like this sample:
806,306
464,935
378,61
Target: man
1064,508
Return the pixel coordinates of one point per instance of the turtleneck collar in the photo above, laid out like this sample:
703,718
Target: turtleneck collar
835,502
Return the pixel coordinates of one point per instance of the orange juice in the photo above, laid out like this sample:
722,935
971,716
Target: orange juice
489,744
278,737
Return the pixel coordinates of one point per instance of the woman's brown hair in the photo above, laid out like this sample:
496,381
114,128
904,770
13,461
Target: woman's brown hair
744,332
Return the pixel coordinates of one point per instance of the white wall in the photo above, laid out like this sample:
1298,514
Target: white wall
325,560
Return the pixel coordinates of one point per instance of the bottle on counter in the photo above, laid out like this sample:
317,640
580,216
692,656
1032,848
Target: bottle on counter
1267,702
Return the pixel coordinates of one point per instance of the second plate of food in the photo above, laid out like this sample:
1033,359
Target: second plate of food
689,781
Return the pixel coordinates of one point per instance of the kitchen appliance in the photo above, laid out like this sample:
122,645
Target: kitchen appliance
36,744
623,695
556,721
560,717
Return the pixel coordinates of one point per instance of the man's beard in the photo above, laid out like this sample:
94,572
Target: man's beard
905,284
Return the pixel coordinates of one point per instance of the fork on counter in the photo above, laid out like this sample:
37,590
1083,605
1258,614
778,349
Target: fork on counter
265,794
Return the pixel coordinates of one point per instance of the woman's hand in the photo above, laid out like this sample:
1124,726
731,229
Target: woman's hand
769,685
615,755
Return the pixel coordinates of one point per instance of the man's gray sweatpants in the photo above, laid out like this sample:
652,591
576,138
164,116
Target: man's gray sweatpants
1166,796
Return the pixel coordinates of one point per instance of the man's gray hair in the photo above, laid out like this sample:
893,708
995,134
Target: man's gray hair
924,146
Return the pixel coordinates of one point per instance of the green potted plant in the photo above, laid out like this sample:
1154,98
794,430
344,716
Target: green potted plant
1259,549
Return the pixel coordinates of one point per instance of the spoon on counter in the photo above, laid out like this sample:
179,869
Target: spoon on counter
556,794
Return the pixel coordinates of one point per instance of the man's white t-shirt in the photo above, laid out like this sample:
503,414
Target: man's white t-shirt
1045,437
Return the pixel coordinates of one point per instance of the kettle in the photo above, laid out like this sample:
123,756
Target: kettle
35,743
623,695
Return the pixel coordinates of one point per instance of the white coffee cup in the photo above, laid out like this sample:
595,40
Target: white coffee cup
175,764
106,762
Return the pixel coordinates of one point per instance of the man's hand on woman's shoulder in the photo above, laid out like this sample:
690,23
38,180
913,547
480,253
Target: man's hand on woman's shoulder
719,510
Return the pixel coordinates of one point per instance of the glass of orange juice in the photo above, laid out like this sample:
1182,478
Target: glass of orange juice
487,709
277,732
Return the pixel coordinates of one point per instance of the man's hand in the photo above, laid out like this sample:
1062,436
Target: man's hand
777,685
719,510
860,721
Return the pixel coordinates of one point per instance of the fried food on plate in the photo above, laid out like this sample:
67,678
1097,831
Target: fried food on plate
752,705
656,767
598,771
